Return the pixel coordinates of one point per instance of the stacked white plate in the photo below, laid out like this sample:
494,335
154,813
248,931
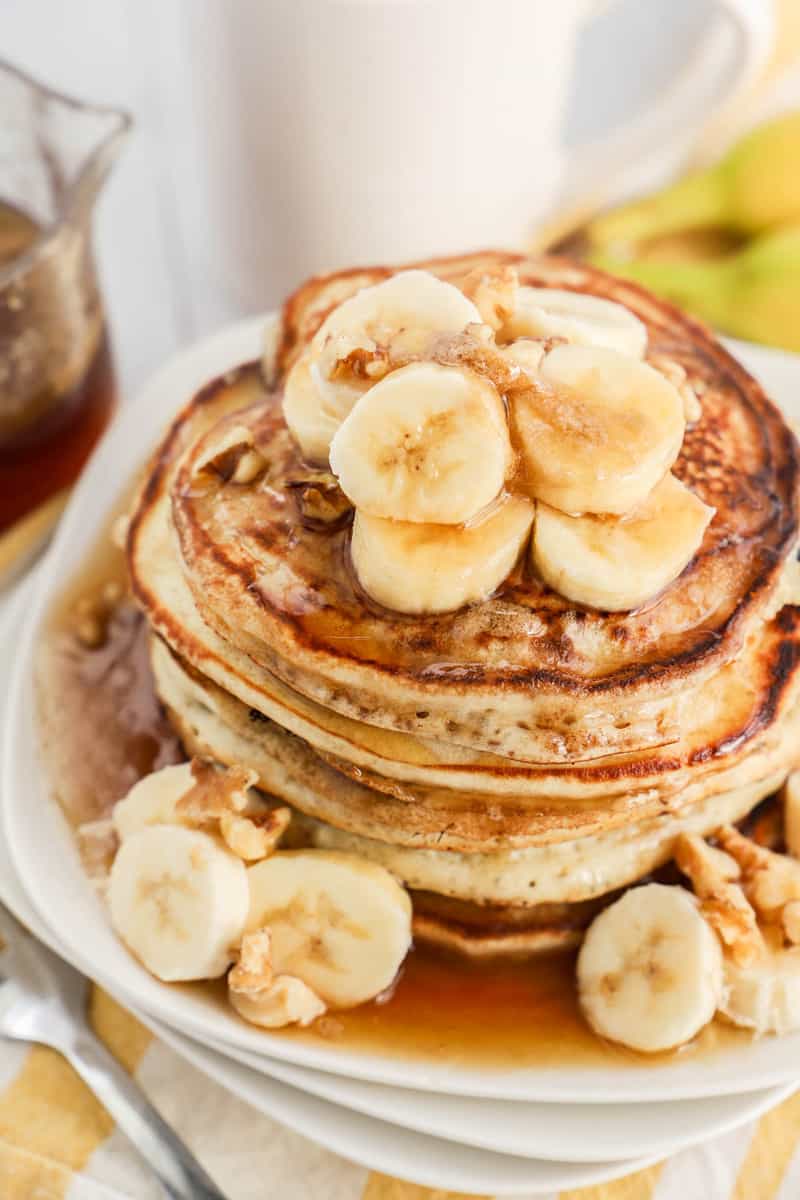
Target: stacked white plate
505,1132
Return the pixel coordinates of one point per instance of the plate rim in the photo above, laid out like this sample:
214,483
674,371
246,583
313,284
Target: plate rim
179,378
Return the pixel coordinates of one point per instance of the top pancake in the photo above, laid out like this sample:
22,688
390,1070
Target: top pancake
526,674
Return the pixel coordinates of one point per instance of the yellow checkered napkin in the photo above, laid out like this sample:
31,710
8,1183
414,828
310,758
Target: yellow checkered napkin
58,1143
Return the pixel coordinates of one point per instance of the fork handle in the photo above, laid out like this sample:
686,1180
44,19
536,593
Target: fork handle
170,1160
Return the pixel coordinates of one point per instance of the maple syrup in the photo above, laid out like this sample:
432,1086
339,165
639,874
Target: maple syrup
57,390
103,729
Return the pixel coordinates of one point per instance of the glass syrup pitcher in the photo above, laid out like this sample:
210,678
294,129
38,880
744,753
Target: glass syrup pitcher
56,377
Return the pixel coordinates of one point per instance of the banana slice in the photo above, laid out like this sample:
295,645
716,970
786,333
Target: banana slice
585,320
337,922
764,995
179,900
438,568
427,444
598,433
399,314
650,971
617,564
313,417
152,800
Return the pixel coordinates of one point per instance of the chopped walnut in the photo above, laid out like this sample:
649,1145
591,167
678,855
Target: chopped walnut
251,464
722,901
320,499
527,353
362,363
215,792
790,921
288,1001
469,350
254,837
676,375
253,972
234,457
494,293
770,880
790,794
264,998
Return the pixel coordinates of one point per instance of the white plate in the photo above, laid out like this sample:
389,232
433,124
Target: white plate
47,862
435,1163
564,1132
425,1160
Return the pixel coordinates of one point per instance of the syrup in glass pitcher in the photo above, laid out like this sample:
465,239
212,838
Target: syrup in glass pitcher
56,377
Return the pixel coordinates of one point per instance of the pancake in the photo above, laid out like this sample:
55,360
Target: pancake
731,715
564,872
738,706
514,764
439,819
526,674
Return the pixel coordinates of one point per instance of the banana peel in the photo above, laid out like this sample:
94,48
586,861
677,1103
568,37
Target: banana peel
753,294
754,188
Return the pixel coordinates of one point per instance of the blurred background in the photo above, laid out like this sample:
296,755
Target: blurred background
180,253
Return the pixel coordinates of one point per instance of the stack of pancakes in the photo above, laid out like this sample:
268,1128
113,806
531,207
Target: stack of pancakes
514,763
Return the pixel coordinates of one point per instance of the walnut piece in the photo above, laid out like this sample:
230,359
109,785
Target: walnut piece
790,794
253,972
256,836
790,921
288,1001
264,998
722,901
494,294
215,792
320,499
233,457
770,880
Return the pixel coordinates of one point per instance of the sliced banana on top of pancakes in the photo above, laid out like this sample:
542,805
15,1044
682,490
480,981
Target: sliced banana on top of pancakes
546,397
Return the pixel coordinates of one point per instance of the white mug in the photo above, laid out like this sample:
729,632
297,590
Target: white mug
337,132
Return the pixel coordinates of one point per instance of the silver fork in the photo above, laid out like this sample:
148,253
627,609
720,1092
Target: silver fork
43,999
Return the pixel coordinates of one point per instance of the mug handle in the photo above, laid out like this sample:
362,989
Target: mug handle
722,65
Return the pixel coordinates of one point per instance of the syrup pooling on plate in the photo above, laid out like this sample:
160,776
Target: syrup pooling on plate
230,595
442,1007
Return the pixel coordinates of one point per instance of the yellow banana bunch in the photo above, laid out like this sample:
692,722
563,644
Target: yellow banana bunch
755,187
753,294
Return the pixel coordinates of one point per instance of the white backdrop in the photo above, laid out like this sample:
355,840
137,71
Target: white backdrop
150,224
153,230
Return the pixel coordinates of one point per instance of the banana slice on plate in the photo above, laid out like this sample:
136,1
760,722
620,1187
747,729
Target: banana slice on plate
152,800
414,568
400,314
179,901
427,444
619,563
597,432
337,922
650,972
764,995
585,320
